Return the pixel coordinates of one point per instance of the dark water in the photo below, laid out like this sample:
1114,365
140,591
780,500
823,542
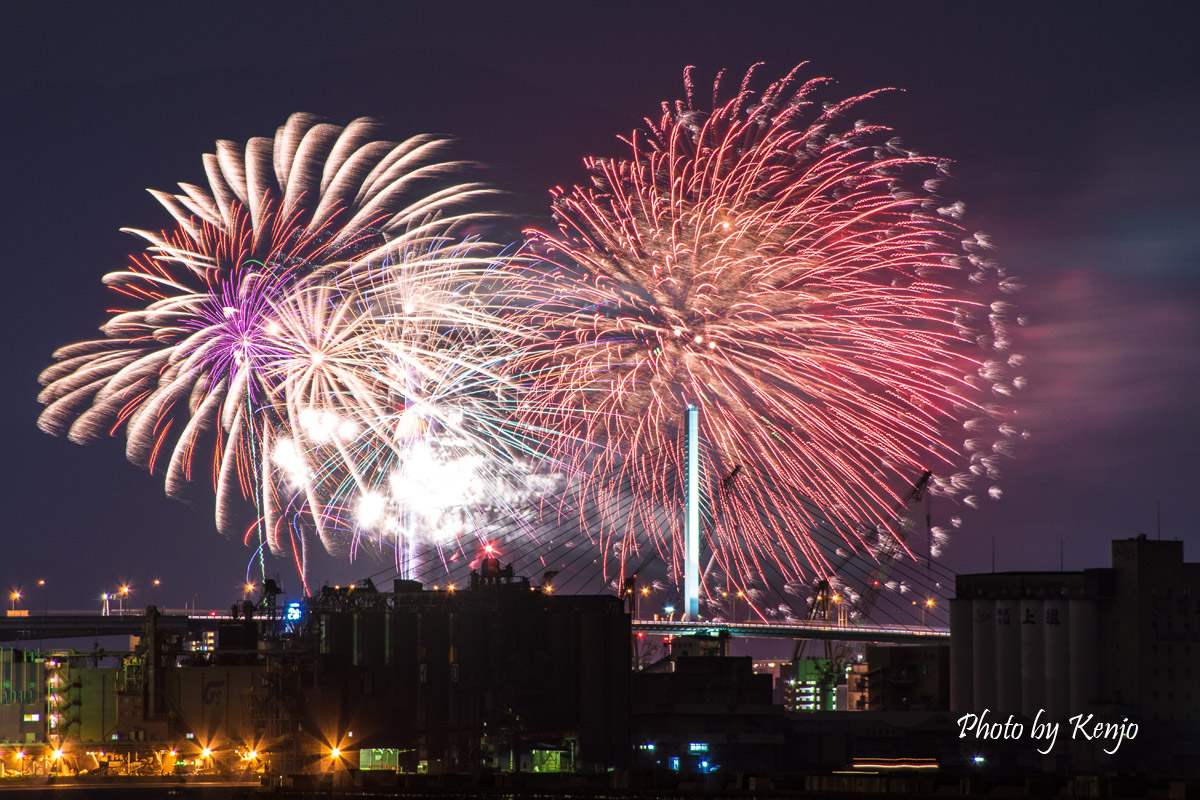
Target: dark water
135,790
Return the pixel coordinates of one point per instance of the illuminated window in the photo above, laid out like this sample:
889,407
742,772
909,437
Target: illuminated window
379,758
546,760
33,717
698,747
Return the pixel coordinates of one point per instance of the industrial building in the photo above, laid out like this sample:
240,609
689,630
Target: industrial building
908,678
22,696
498,675
709,712
1119,642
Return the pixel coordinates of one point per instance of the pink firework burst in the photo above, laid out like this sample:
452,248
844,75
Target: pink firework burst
796,276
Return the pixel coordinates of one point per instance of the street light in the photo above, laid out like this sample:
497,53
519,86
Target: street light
123,595
16,595
928,604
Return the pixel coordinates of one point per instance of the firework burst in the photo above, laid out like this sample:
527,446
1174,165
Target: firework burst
193,370
407,430
797,277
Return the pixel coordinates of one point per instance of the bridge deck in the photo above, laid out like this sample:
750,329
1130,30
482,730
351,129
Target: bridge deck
73,626
890,634
66,626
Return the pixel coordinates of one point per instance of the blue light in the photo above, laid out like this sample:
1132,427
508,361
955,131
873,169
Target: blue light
293,612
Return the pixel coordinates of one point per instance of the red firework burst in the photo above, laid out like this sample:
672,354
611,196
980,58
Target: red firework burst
796,276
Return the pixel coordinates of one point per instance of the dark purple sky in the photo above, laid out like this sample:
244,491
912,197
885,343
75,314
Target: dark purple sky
1074,131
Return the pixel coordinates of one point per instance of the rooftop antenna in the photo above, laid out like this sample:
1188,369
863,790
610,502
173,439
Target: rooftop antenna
1158,517
1060,554
993,552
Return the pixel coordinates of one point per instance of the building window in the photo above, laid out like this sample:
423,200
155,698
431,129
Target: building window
698,747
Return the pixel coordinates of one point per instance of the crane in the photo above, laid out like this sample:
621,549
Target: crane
826,599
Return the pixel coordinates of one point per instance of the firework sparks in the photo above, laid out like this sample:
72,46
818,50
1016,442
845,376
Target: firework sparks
406,421
797,277
194,366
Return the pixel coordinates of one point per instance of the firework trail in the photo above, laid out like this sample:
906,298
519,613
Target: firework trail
192,369
796,276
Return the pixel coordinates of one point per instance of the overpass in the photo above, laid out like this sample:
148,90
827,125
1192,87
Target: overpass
803,629
72,625
81,624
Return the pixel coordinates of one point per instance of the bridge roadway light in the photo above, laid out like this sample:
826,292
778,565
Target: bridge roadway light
45,596
16,595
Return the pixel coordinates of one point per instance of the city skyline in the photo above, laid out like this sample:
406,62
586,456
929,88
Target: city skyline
1070,144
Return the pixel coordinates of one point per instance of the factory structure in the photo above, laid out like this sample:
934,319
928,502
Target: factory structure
503,677
410,680
1121,643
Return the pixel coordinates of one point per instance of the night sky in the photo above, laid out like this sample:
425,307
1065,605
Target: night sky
1073,130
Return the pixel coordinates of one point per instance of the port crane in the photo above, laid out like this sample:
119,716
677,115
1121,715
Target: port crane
827,605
